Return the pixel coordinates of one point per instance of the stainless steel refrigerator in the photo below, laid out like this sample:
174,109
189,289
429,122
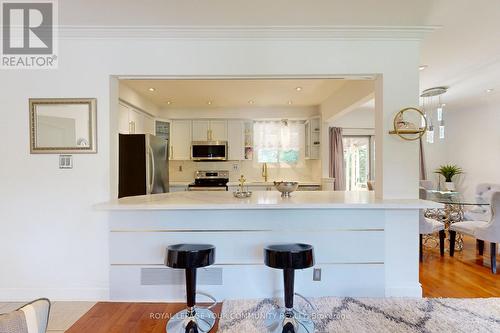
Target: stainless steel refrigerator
143,165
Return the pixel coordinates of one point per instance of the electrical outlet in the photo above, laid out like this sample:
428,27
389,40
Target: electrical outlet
236,167
180,168
317,274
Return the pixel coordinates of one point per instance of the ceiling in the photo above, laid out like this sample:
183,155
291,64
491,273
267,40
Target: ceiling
463,54
243,12
236,93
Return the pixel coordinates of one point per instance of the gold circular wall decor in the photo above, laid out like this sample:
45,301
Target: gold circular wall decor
404,132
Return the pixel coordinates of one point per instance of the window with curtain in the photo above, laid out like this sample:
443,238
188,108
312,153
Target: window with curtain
278,141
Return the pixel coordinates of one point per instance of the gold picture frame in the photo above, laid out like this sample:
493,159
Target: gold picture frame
63,125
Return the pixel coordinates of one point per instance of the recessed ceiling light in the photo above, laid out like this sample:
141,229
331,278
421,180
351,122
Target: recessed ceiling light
209,102
443,105
298,88
151,89
169,102
251,101
422,67
489,90
290,102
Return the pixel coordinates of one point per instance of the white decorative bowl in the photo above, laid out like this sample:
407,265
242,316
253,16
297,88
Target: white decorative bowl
286,187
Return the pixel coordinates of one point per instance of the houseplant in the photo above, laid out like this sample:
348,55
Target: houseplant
448,171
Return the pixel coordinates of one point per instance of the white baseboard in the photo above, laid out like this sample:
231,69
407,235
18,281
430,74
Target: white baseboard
54,294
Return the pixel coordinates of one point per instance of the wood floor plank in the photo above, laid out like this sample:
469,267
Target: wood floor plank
118,317
466,275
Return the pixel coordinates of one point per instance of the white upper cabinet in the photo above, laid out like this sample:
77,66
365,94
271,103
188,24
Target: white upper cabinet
123,122
312,138
180,140
209,130
218,130
201,130
132,121
235,140
136,121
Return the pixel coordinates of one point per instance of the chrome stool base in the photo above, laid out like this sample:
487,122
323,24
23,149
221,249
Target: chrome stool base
203,318
277,322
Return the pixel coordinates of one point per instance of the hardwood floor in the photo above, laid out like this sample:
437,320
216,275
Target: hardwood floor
462,276
115,317
465,275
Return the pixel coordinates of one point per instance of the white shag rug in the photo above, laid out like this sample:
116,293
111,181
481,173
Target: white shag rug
372,314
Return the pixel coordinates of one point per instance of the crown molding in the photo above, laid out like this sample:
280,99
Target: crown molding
300,33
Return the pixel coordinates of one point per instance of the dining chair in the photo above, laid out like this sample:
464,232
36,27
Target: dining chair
429,226
482,213
482,231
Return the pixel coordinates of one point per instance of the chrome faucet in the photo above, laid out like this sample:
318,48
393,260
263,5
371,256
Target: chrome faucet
264,172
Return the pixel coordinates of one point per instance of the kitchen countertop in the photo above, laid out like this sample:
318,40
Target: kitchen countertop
263,200
249,183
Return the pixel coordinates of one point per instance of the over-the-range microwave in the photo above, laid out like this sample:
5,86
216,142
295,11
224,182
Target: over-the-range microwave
209,151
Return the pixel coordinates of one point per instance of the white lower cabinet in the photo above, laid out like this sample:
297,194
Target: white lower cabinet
260,187
178,188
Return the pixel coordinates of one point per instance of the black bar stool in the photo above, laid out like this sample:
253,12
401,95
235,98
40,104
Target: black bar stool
289,257
190,257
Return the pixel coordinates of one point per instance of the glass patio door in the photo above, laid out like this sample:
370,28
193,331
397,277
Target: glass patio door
357,153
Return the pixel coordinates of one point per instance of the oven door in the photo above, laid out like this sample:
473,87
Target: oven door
209,151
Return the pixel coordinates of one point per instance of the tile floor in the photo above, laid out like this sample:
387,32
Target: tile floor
62,314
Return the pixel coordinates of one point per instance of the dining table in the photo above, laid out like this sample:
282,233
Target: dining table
455,204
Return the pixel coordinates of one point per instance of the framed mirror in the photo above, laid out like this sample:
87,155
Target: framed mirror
63,125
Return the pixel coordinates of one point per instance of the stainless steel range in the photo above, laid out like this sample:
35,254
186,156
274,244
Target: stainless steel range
211,180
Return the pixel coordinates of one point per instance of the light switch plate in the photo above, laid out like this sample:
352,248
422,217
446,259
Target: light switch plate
65,161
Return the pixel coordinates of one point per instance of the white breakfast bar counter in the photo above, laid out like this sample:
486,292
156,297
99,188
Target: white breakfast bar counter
365,247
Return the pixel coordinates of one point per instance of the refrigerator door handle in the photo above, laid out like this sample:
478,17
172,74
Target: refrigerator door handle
152,176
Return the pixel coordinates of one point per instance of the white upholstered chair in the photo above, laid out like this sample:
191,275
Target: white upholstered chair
482,213
482,231
429,226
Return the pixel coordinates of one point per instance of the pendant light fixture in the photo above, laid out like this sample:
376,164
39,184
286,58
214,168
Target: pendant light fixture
429,104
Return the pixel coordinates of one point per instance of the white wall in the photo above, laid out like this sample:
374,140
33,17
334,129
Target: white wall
339,105
472,142
307,171
277,112
358,121
137,100
53,242
346,99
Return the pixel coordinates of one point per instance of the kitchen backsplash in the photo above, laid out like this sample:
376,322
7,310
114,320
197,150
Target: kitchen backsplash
309,171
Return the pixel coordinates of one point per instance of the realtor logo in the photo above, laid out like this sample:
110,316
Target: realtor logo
28,34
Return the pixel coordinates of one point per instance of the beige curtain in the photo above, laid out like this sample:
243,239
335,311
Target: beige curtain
423,172
337,158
